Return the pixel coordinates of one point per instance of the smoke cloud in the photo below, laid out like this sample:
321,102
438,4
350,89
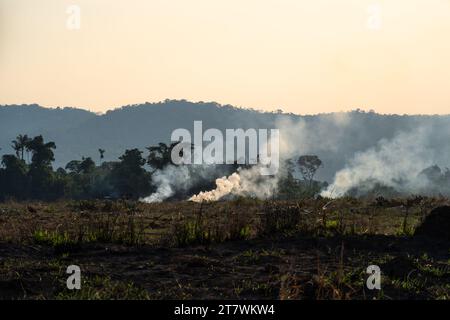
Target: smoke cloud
244,182
360,151
168,180
179,180
396,163
225,186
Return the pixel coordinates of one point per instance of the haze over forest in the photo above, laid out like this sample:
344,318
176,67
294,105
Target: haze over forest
336,137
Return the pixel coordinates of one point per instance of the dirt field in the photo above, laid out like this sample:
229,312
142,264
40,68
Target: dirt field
243,249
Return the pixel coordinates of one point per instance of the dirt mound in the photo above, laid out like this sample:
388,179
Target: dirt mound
436,224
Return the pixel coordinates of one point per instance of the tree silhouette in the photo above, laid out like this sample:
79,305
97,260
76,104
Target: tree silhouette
308,165
16,147
42,153
102,154
160,155
20,145
87,165
41,173
129,177
13,178
73,166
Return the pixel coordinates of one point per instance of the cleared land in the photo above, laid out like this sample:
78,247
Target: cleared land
242,249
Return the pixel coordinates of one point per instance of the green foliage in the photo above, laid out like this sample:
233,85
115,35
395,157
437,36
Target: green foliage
13,178
206,230
129,177
51,238
332,224
81,179
160,155
42,153
60,241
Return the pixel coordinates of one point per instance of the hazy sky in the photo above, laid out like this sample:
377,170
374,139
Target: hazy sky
312,56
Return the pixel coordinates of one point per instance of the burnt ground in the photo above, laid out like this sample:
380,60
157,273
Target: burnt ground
297,263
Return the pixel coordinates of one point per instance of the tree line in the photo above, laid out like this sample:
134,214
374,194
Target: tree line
28,173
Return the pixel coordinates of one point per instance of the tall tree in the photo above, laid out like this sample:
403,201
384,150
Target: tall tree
41,173
42,153
13,177
16,147
161,155
129,177
87,165
73,166
308,165
102,154
20,145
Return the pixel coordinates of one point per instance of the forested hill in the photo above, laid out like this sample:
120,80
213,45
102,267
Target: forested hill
79,133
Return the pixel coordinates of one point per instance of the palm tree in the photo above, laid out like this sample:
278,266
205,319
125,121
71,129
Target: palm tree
102,154
20,145
16,146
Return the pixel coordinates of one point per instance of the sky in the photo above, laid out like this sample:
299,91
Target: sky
305,57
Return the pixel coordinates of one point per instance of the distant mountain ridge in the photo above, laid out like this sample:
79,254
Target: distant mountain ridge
78,132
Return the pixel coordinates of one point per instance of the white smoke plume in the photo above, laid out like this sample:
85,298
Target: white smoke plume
395,163
225,186
359,159
169,180
356,154
244,182
178,179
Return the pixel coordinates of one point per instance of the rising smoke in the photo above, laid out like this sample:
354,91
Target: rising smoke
395,163
358,153
174,180
244,182
225,186
168,181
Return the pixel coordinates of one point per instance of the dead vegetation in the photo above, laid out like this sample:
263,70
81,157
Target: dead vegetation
242,249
